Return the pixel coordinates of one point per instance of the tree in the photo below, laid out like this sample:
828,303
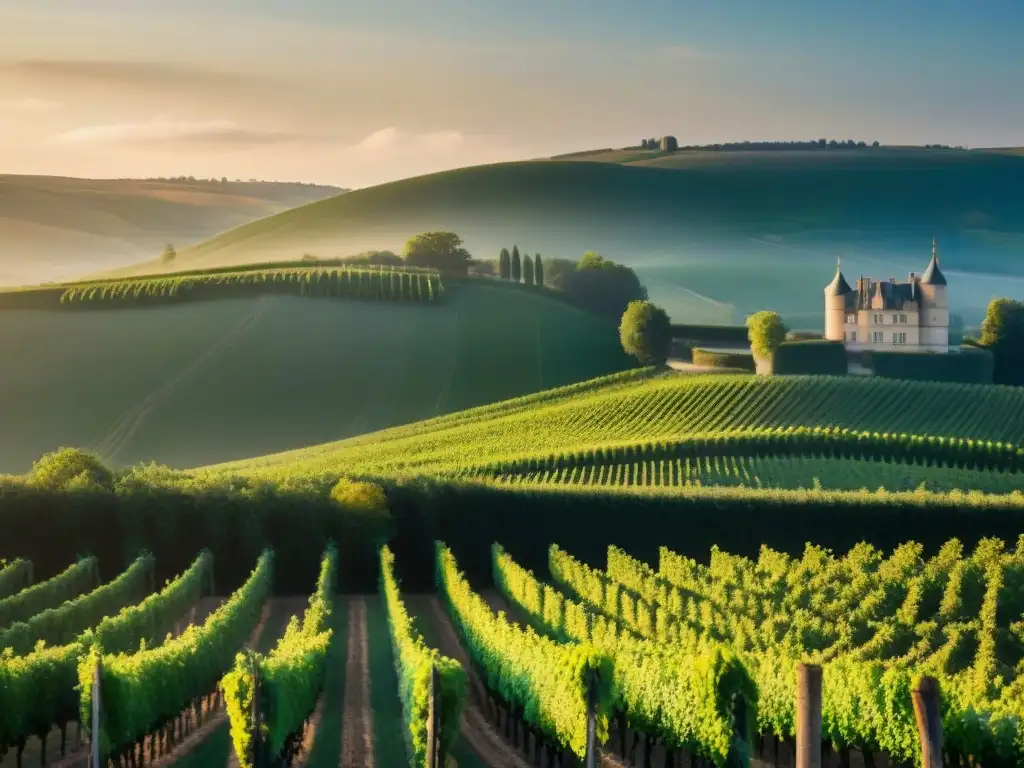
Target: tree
516,266
169,254
599,285
1002,332
538,270
645,332
504,265
527,269
765,331
440,250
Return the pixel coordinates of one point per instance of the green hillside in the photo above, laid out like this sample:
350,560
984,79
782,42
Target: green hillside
778,219
669,431
213,381
54,227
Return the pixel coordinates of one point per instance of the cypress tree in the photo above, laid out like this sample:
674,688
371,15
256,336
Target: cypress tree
504,265
527,269
538,270
517,271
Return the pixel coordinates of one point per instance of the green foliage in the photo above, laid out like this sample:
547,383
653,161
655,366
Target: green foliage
766,332
1002,331
290,677
527,269
601,286
733,360
971,365
645,333
61,624
169,254
515,267
538,270
440,250
33,600
710,334
366,504
505,265
683,696
45,682
546,682
143,690
810,357
70,469
14,576
414,663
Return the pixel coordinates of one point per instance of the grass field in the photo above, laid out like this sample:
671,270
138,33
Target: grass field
230,379
713,235
53,227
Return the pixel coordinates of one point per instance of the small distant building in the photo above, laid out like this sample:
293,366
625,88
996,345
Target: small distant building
910,316
669,144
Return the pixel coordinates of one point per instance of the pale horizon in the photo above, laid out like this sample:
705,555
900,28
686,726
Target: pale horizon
349,95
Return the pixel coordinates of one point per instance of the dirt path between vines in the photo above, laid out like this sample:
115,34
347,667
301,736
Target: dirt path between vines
357,723
476,730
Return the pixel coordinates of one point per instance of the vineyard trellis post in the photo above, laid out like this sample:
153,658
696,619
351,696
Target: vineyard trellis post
591,753
929,721
97,706
257,716
808,716
434,756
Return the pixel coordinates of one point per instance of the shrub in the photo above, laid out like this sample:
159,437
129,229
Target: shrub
819,357
766,331
69,469
972,365
711,334
645,333
713,358
366,505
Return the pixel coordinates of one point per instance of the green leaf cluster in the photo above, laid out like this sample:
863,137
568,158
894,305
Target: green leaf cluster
414,663
14,576
47,594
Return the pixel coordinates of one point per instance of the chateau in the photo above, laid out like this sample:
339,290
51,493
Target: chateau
911,316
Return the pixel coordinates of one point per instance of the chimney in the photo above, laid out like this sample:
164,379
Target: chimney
892,281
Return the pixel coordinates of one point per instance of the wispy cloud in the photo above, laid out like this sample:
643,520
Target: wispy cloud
31,104
390,140
167,130
113,73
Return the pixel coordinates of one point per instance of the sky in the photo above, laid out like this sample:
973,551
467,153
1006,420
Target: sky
361,92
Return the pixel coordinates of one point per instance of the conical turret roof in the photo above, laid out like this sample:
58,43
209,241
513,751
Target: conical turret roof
933,275
838,286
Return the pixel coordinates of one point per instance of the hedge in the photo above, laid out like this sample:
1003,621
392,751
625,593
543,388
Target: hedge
970,364
711,334
819,356
737,360
237,520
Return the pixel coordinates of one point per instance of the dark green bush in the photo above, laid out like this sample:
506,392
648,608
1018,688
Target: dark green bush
710,334
971,365
812,357
737,360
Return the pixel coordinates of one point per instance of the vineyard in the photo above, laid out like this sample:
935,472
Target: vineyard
643,430
634,664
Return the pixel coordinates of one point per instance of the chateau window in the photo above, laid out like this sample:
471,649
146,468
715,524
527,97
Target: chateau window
899,338
878,319
851,318
895,319
853,336
903,319
876,336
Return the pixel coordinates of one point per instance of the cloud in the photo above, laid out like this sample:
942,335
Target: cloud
166,130
390,141
31,104
133,73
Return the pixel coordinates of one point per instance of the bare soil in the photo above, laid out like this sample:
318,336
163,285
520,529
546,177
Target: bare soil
357,726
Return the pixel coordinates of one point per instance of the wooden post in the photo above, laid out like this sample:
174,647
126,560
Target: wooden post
257,714
94,751
808,716
929,721
434,721
591,753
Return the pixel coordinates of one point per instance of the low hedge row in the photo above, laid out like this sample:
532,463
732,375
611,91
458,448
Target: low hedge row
711,334
714,358
811,356
967,364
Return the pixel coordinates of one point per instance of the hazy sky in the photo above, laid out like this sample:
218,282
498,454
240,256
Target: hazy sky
357,92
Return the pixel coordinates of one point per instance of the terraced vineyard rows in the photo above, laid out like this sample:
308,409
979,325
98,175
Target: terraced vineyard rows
779,431
775,472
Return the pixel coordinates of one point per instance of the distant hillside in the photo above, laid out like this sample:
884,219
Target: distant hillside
213,381
53,228
714,235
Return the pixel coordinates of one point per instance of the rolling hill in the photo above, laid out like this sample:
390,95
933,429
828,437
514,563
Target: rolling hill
53,228
713,238
218,380
670,432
